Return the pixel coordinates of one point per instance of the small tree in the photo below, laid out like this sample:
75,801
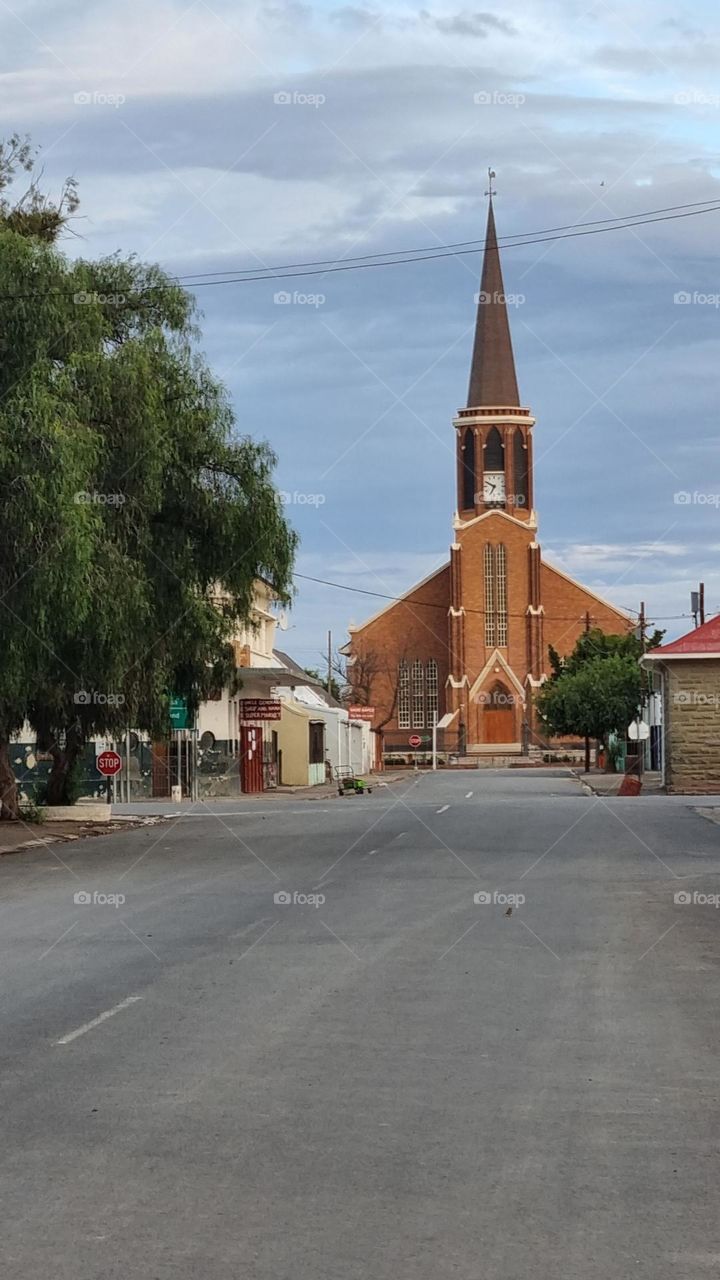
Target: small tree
598,689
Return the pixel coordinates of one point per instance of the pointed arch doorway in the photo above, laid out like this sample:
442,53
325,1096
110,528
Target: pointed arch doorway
499,714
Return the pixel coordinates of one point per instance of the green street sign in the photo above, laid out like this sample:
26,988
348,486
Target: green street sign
179,715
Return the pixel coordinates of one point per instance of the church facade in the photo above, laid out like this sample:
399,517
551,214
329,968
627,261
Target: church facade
468,646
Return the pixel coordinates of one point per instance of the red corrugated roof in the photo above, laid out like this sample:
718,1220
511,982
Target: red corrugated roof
703,640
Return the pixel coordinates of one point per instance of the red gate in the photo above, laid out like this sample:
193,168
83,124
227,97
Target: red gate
251,758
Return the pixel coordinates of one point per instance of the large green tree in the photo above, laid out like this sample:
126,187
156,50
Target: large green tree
138,518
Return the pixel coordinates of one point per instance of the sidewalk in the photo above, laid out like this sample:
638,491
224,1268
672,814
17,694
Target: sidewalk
608,784
15,836
326,791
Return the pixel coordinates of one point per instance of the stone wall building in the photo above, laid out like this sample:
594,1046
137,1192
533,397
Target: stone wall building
688,674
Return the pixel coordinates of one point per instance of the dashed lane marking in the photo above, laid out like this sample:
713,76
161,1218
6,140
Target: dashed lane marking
102,1017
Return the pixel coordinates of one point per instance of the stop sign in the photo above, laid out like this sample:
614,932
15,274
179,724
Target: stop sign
415,740
109,763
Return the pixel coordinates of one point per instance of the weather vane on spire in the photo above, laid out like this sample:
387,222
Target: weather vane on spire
490,191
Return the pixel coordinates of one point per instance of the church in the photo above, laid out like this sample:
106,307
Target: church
467,647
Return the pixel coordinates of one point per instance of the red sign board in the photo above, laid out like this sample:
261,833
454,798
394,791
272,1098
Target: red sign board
415,740
109,763
361,713
260,709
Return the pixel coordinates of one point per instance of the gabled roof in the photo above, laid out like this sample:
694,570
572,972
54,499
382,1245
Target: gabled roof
703,642
493,380
353,629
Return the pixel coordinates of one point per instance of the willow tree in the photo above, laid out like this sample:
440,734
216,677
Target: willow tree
157,517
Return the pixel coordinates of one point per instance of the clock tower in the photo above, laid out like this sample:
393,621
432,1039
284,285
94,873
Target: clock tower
467,647
494,433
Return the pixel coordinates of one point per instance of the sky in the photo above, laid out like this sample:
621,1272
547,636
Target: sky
210,137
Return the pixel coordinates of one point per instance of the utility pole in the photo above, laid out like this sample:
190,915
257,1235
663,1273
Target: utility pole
587,740
702,602
642,624
329,673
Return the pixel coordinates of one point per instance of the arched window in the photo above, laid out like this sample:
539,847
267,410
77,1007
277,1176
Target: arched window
501,594
403,695
468,470
431,681
489,566
499,698
496,617
494,459
520,459
418,695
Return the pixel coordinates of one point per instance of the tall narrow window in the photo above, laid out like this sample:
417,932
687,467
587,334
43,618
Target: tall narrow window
489,595
494,452
501,595
520,458
418,695
431,680
403,696
468,470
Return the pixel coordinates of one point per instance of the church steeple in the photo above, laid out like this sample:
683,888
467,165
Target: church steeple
492,374
494,431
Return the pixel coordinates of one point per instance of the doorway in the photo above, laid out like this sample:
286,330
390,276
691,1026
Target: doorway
499,715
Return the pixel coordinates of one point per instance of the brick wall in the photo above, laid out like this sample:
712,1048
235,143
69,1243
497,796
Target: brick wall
692,726
415,627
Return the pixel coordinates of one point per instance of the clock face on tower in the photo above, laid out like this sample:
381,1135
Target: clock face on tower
494,486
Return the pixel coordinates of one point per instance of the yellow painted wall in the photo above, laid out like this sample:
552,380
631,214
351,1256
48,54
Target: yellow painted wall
294,742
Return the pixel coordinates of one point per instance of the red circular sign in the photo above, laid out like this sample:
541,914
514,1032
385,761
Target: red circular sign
109,763
415,740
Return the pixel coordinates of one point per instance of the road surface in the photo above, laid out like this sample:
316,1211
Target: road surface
381,1077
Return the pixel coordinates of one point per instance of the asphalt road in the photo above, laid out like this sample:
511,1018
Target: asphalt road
387,1079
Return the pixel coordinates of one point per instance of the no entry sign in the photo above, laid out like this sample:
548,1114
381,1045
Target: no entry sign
415,740
109,763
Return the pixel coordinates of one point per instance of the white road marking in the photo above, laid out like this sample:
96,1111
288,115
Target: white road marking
102,1017
445,806
249,927
468,795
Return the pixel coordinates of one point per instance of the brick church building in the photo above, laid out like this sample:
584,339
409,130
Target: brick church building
469,644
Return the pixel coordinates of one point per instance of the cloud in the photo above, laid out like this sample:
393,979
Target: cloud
469,23
202,169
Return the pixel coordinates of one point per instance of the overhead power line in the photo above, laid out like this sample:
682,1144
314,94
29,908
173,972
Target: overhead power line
400,257
626,220
431,604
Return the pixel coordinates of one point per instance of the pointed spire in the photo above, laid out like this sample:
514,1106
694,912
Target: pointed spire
492,374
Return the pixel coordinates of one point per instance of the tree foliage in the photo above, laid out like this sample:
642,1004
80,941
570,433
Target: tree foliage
598,689
135,520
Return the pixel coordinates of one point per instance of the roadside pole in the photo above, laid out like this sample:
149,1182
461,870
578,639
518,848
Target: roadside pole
434,743
587,739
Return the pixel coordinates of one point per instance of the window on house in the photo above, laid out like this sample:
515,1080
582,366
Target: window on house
403,696
418,695
431,680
